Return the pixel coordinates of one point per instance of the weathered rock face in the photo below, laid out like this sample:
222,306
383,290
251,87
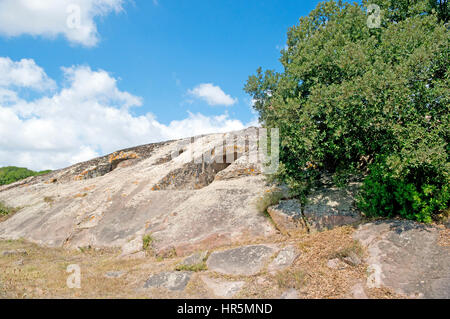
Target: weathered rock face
171,191
326,208
405,256
287,216
330,207
169,280
194,259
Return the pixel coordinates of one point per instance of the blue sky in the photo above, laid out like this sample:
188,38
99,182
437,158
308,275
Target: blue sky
159,51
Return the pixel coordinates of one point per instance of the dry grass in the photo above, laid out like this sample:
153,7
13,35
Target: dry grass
353,249
323,281
444,237
291,278
6,211
42,272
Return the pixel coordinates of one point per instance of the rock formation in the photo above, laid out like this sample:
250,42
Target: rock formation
185,194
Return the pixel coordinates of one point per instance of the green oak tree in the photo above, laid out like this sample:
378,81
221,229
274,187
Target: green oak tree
354,99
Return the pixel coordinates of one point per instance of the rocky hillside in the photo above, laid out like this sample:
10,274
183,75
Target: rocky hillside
164,190
197,222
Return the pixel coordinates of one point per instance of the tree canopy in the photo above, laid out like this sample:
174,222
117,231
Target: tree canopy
371,101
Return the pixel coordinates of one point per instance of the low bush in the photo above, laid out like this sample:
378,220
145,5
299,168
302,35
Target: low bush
385,195
11,174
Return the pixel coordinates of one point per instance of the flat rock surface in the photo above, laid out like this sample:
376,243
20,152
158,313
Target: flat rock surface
284,259
245,260
223,288
16,252
176,280
167,190
326,207
406,257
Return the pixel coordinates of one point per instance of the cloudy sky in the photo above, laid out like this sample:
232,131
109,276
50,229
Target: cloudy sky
83,78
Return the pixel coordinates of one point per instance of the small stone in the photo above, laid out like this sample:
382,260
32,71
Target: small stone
246,260
284,259
114,274
290,294
19,262
22,252
261,281
336,263
175,281
222,288
352,259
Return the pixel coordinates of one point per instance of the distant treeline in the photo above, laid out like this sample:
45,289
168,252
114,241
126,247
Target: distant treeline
11,174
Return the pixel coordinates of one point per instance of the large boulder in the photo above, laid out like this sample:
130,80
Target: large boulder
406,257
179,193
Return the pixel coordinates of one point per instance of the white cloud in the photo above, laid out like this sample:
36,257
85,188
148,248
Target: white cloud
213,95
24,73
73,19
87,117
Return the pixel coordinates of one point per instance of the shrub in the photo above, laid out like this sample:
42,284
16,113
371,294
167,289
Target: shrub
385,195
11,174
354,249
